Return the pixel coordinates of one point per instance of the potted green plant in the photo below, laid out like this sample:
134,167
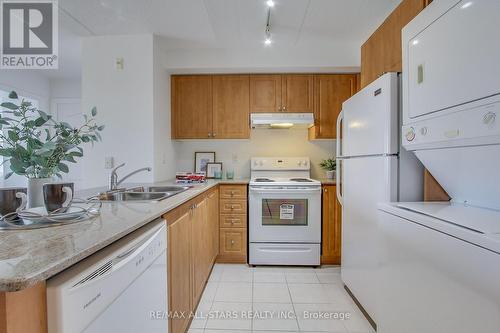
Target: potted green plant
330,165
39,147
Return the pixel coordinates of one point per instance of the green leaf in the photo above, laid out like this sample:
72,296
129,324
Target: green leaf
7,175
94,111
69,158
85,138
40,121
13,136
43,115
9,105
17,166
6,152
63,167
13,95
100,128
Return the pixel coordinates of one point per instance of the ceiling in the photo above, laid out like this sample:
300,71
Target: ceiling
306,25
231,23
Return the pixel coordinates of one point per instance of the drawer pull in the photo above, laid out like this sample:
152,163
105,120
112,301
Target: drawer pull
232,241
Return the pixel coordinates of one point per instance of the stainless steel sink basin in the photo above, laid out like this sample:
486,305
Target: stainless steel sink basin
168,188
143,194
133,196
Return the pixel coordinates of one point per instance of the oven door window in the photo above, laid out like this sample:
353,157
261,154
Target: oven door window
284,212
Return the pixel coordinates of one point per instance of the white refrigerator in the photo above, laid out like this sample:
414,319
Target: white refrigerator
372,168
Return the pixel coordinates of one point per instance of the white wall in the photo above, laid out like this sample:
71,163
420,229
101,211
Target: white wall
132,103
335,57
236,154
164,150
124,100
66,88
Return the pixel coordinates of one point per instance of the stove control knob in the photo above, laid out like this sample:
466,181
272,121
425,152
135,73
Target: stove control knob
261,163
299,163
410,134
304,163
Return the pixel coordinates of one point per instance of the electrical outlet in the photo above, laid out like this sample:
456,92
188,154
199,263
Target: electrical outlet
109,162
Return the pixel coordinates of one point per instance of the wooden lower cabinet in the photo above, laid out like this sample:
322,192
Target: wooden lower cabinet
331,226
193,245
24,311
179,272
233,224
233,245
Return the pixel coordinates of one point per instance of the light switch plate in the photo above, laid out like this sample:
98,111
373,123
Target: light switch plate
109,162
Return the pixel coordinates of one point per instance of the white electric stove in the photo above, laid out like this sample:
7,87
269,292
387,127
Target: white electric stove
285,212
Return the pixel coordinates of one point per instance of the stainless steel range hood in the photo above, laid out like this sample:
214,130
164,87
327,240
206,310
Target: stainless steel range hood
281,120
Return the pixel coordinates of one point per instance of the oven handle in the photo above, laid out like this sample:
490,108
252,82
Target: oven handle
283,190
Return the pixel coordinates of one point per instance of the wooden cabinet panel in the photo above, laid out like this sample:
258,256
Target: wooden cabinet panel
382,51
230,206
213,221
265,93
432,190
330,91
331,226
201,246
297,92
233,221
179,272
24,311
191,106
231,106
233,191
233,245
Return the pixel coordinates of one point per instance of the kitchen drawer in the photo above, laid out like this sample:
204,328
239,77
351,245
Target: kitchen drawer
231,206
233,221
233,245
233,191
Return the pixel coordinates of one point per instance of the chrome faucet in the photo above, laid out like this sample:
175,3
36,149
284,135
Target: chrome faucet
114,182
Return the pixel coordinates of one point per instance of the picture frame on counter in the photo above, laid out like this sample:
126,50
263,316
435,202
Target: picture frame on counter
214,170
201,158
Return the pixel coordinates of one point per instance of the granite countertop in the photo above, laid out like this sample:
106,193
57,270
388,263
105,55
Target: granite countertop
30,256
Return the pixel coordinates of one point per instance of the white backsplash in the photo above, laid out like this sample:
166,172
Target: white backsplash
236,154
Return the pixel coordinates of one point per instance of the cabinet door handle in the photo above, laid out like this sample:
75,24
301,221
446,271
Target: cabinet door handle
209,134
232,241
284,108
213,134
326,190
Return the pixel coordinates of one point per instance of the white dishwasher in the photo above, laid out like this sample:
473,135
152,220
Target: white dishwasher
122,288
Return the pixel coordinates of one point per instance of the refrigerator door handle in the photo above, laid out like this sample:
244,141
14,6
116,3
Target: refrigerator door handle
339,158
338,141
339,183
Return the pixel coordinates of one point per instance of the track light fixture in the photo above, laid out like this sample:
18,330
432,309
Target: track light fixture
268,40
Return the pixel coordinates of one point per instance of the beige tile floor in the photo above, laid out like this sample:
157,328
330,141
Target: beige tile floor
239,298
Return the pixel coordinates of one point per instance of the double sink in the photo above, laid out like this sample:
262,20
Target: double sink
142,193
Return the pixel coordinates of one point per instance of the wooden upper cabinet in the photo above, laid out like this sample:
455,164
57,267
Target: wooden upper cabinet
297,92
382,52
330,91
265,93
231,106
191,106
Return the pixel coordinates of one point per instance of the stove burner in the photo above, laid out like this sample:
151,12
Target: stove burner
263,180
301,180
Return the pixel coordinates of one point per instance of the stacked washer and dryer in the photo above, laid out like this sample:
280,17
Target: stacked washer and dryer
439,268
